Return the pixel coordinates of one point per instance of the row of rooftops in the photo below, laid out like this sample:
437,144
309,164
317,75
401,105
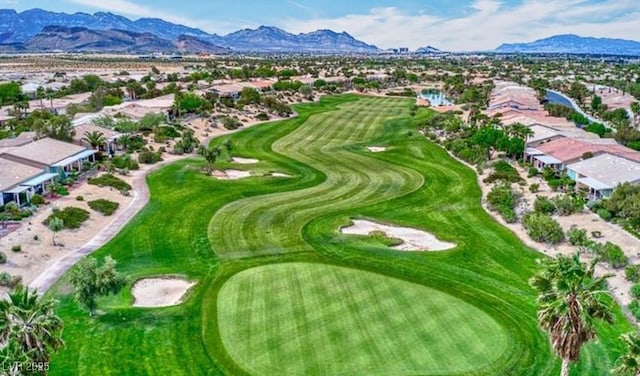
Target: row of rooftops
556,141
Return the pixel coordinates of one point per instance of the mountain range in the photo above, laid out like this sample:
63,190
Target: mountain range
29,30
574,44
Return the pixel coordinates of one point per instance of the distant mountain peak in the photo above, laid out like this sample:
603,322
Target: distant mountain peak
575,44
21,27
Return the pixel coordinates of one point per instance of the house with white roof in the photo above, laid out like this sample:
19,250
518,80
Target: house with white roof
603,173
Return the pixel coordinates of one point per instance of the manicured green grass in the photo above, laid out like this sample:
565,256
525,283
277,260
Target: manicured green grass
226,234
290,319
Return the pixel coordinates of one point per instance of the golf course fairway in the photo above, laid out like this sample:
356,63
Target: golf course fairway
280,291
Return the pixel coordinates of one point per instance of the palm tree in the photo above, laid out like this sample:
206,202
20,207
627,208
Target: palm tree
94,138
629,363
570,300
29,325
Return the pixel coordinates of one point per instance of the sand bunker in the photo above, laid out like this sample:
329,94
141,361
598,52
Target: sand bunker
280,175
244,160
412,239
159,292
376,149
231,174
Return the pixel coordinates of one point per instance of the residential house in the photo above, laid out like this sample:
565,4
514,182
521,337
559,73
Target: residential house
20,179
601,174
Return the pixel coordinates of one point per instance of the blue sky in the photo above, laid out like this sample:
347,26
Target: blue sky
451,25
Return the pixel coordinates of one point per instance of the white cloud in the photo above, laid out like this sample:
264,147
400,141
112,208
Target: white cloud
489,24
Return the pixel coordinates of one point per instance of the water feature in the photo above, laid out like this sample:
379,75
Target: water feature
555,98
435,97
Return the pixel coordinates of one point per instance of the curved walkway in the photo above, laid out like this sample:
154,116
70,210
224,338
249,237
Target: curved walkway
141,196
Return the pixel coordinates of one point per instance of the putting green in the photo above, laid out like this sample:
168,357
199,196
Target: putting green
317,319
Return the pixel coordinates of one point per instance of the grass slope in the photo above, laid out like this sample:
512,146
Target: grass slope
265,222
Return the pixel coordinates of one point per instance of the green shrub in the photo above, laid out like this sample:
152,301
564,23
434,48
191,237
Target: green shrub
634,307
543,205
16,248
6,280
567,204
38,200
149,157
609,253
108,180
577,236
632,273
533,172
635,291
71,216
62,190
604,214
103,206
125,161
263,116
503,199
503,171
542,228
534,188
3,258
79,198
555,184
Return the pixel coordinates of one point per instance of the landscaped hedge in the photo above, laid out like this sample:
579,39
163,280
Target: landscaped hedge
71,216
103,206
108,180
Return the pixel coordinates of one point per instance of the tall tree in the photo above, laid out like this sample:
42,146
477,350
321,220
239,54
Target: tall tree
55,225
29,329
92,280
571,299
94,138
629,363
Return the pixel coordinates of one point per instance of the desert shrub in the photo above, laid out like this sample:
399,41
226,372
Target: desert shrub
543,205
577,236
548,174
502,170
62,190
634,307
632,273
610,253
16,248
533,172
71,216
7,280
554,184
103,206
535,187
108,180
231,123
503,199
567,204
3,258
79,198
263,116
542,228
125,161
635,291
604,214
38,200
149,157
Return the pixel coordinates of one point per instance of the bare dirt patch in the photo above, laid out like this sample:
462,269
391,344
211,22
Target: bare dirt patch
159,292
412,239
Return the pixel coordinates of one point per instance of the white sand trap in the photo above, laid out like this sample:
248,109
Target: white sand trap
280,175
231,174
412,239
159,292
244,160
376,149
